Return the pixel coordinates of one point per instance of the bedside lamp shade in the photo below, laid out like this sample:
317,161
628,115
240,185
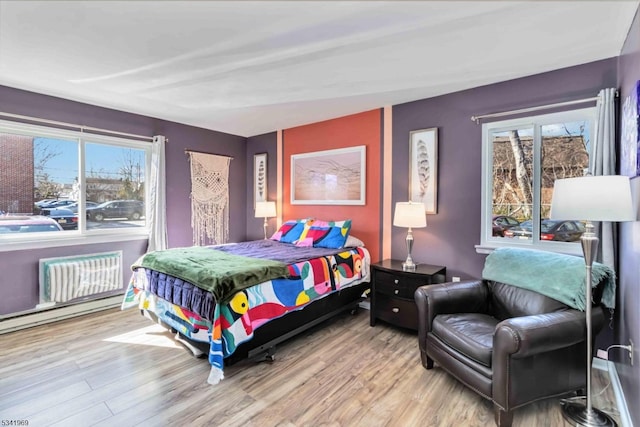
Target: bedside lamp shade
410,215
265,210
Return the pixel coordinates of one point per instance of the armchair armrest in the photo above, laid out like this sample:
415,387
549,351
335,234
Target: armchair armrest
540,333
529,335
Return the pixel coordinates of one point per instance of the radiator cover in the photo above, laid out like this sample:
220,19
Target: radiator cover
69,278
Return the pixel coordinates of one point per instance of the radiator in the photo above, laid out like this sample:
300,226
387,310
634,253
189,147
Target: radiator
68,278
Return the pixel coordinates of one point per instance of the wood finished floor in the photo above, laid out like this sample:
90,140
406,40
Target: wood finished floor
117,368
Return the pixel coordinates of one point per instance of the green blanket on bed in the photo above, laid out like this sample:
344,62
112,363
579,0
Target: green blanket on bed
220,273
558,276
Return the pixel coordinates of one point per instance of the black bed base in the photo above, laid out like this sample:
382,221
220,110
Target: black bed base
267,336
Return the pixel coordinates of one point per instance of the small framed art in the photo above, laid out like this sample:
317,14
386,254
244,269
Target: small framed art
259,178
423,168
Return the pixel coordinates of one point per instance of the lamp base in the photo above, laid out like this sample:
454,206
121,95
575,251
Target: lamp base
408,266
576,413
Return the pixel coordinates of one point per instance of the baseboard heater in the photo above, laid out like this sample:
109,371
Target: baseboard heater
78,277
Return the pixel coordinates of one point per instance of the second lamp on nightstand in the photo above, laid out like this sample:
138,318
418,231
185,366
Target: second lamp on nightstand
392,290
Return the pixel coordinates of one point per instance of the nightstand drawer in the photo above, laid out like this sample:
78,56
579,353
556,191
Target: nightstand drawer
398,285
397,311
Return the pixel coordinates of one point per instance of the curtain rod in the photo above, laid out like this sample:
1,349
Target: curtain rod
526,110
202,152
71,125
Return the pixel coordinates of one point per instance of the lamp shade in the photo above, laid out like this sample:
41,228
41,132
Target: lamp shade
265,209
410,214
593,198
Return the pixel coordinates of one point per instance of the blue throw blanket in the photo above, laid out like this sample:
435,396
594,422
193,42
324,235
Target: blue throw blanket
558,276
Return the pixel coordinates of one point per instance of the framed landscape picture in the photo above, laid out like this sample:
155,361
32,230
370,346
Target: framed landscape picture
331,177
423,168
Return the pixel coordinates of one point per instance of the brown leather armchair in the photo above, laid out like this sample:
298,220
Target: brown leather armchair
510,345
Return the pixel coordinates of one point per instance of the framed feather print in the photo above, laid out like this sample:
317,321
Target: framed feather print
423,168
259,178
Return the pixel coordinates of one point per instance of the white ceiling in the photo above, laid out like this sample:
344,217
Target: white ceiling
249,68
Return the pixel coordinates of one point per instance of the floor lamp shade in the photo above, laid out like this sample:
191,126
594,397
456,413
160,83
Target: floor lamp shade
593,198
590,198
410,215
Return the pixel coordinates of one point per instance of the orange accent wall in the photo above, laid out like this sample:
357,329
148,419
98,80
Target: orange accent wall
349,131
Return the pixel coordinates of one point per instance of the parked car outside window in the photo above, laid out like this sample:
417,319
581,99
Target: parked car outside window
27,224
67,219
502,223
56,204
558,231
74,206
130,209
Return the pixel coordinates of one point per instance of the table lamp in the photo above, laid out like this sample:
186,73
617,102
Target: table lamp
411,215
590,198
265,210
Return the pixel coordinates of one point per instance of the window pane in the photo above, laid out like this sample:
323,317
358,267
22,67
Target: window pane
114,178
37,176
512,190
564,155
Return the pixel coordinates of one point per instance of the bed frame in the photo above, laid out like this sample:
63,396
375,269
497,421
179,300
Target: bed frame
263,344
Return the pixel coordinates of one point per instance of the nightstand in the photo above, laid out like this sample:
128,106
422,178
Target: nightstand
392,291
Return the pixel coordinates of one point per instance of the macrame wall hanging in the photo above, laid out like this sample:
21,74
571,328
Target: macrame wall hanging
209,198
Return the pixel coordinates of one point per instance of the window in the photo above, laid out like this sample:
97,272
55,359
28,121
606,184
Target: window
83,185
522,158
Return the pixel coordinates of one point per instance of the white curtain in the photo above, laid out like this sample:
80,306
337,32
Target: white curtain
157,197
602,161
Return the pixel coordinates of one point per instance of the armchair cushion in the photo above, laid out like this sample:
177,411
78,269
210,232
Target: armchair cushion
469,333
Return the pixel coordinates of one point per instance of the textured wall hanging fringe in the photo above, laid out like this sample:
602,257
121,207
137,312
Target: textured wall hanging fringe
209,198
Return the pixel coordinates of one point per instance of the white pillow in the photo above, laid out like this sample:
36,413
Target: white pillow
353,242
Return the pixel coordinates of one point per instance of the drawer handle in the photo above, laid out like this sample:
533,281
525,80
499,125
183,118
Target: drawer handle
395,281
396,291
395,309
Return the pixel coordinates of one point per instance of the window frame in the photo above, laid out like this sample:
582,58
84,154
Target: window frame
81,235
487,241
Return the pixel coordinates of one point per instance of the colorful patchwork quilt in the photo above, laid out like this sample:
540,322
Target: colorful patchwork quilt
235,321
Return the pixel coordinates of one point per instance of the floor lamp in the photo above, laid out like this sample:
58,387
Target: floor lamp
590,198
265,210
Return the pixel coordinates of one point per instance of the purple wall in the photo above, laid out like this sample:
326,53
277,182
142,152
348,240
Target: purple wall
451,234
627,313
266,143
19,269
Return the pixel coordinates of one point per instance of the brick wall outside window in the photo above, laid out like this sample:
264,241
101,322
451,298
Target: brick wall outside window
16,174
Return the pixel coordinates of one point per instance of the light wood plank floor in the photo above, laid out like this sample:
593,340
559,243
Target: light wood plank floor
117,368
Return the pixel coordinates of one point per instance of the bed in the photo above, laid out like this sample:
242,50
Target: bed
240,300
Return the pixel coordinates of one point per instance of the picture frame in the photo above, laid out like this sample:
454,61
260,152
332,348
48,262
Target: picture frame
423,168
329,177
260,193
630,134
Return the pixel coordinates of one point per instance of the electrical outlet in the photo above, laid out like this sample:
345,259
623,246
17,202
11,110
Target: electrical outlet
602,354
631,351
455,279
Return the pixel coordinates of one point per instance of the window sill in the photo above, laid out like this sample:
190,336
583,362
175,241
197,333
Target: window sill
69,240
563,248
